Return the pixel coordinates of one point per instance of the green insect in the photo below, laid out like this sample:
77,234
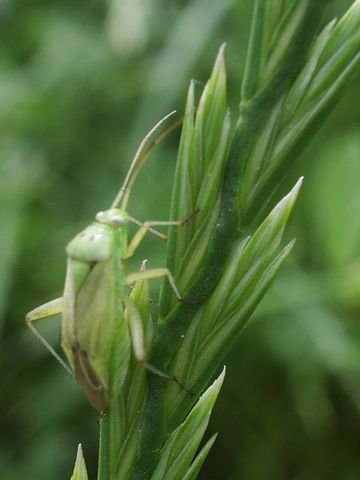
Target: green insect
100,322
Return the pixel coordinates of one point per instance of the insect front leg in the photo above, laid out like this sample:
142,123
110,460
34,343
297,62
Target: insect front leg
147,227
49,309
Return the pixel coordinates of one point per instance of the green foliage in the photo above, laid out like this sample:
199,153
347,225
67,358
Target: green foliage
200,164
252,266
297,112
68,129
243,171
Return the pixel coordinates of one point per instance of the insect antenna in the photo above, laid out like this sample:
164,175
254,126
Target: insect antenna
143,152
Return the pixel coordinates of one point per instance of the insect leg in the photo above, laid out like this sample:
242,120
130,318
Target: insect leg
54,307
154,273
147,227
138,342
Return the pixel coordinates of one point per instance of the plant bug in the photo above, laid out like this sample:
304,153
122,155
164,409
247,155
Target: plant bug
100,322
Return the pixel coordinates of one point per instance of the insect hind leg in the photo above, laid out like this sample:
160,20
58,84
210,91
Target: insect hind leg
162,374
138,343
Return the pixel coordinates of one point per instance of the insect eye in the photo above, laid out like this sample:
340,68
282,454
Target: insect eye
117,220
111,218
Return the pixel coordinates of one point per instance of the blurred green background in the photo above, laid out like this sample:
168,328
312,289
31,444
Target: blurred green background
80,84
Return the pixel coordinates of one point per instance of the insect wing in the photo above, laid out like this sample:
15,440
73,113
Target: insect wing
90,246
101,332
90,382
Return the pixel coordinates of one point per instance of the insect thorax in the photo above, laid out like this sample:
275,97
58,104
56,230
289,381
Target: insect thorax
99,241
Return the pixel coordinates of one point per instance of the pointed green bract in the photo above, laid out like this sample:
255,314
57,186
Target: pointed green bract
334,58
249,272
179,450
225,264
195,467
79,472
202,151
